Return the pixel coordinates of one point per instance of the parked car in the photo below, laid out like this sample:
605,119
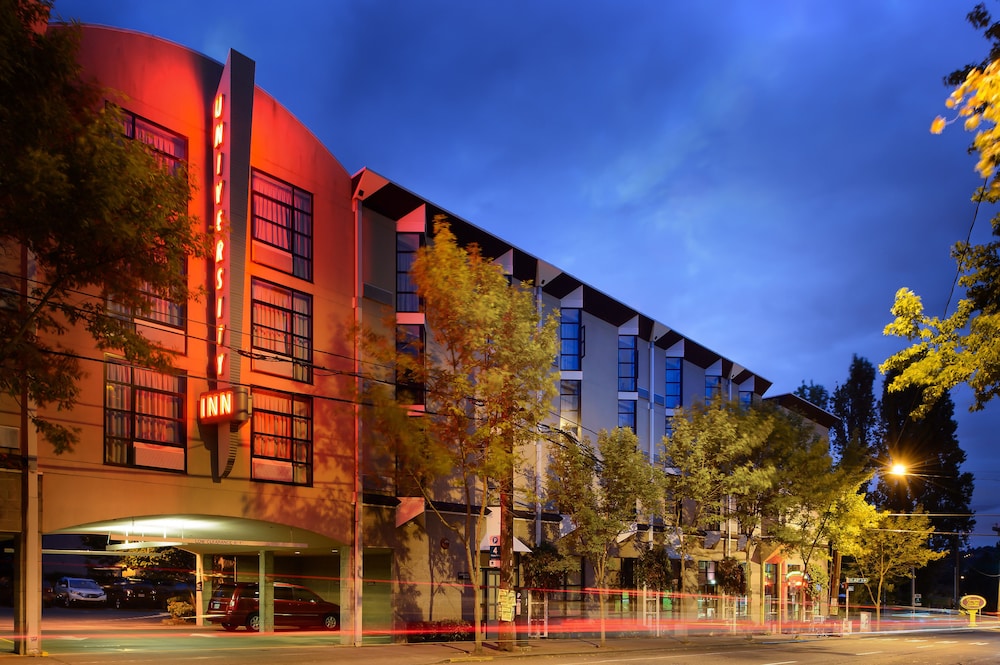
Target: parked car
70,591
237,604
48,594
133,592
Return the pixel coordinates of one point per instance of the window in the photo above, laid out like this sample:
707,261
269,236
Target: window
170,150
626,413
628,363
144,420
409,386
713,388
407,245
569,407
746,398
572,340
281,437
282,226
672,388
281,324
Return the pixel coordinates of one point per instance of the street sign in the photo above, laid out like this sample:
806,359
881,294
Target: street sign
857,580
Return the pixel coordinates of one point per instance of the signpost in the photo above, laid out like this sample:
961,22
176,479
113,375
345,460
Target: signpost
972,605
847,596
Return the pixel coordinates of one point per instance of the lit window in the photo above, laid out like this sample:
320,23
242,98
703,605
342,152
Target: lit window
572,340
569,407
281,321
281,437
672,388
626,413
170,150
407,245
144,421
628,363
282,226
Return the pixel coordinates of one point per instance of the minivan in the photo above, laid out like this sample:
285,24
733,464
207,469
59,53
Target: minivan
235,604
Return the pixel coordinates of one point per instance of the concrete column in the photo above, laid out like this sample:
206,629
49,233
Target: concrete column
265,589
351,583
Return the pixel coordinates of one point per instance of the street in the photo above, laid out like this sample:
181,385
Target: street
89,637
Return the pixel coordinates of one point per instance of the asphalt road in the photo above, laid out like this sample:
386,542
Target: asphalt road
91,637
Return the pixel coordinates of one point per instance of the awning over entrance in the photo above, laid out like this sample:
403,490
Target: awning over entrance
493,529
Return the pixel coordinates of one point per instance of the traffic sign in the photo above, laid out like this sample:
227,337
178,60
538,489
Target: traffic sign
857,580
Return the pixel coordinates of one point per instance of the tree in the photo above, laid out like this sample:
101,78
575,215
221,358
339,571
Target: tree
963,347
814,393
890,548
486,371
603,495
713,465
856,441
91,225
929,449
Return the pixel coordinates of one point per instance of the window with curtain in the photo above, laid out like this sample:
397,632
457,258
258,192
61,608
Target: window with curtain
170,150
281,324
144,419
281,225
281,437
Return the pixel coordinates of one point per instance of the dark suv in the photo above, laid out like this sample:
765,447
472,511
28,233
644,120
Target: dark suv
236,604
133,592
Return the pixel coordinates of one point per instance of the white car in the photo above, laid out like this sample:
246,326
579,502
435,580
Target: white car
70,591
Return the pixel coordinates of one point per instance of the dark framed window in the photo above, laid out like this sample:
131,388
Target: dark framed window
572,339
407,245
170,150
626,413
409,385
281,324
673,382
746,398
713,388
144,419
281,437
628,363
569,406
282,225
169,147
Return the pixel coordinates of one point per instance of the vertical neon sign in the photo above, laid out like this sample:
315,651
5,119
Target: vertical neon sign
220,232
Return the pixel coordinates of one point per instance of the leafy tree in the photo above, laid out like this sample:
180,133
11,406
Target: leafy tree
814,393
602,496
889,548
486,371
929,449
653,568
714,465
90,223
856,441
963,347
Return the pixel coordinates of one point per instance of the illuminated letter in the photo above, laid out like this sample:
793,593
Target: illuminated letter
218,164
220,247
220,334
226,403
218,105
218,307
218,279
219,187
220,128
220,217
220,358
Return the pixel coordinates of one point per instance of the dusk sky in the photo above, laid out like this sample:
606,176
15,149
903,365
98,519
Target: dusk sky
759,176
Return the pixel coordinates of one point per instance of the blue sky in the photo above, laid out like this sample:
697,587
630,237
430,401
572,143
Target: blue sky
758,175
